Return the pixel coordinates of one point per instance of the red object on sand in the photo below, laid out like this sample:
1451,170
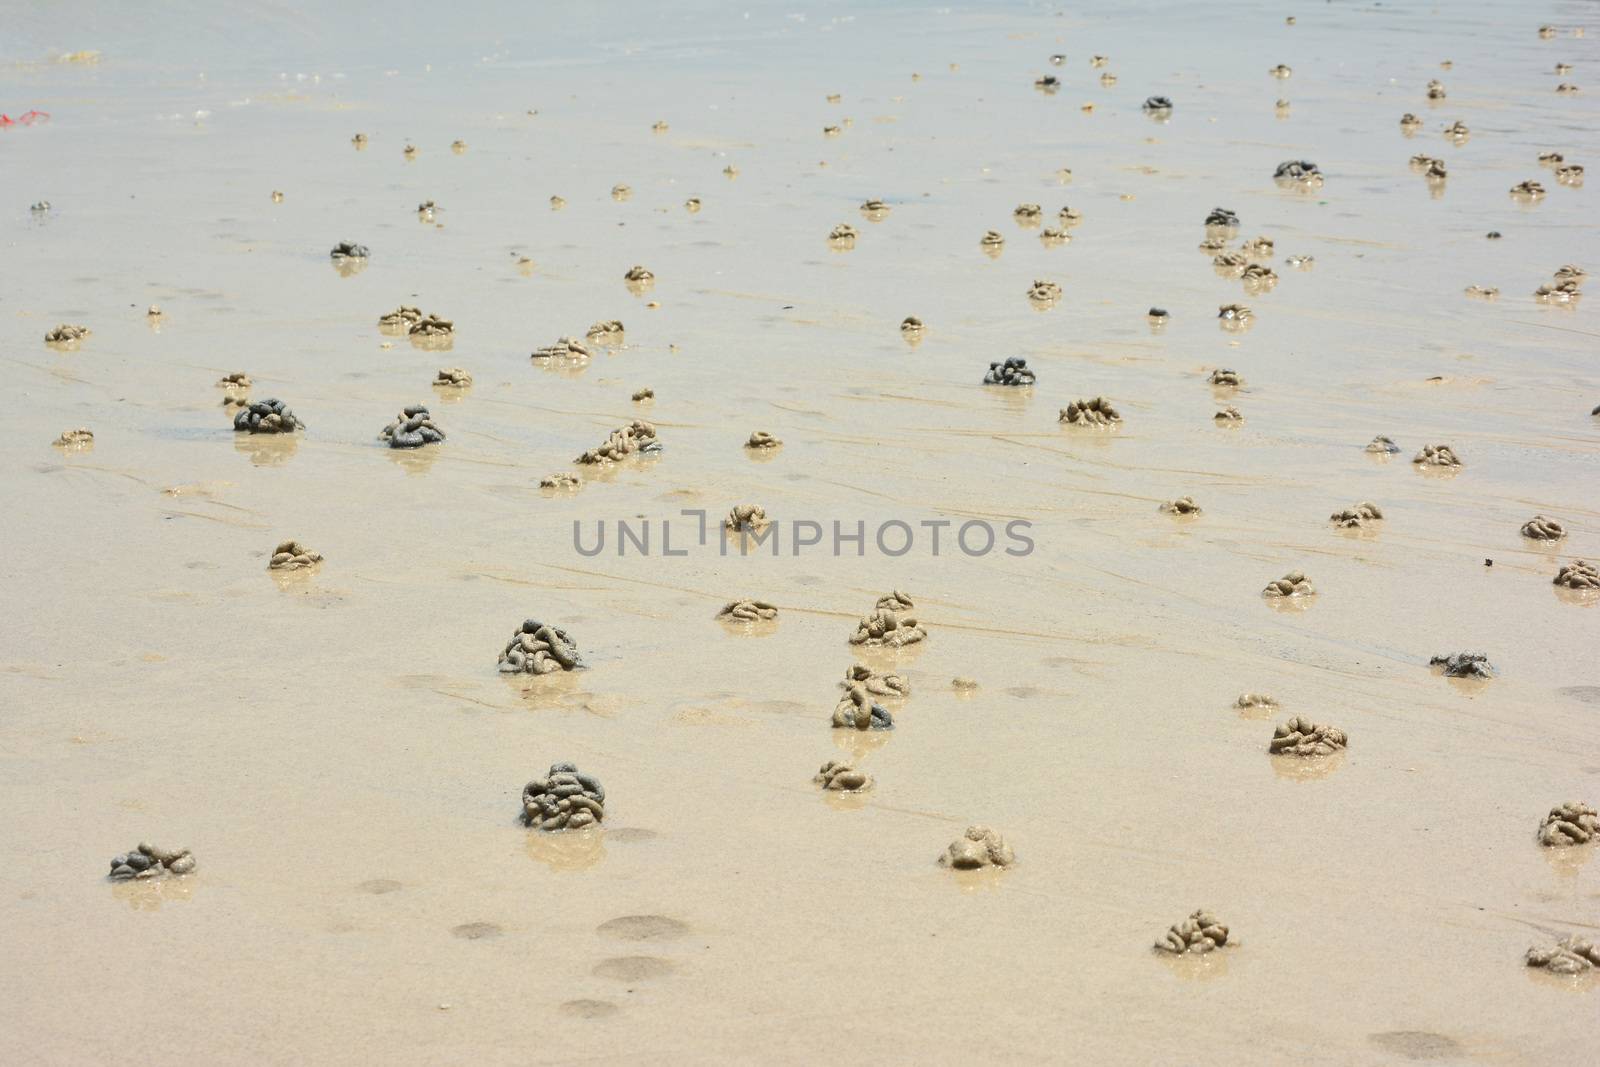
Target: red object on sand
25,119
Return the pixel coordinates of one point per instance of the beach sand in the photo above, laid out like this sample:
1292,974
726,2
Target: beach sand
336,746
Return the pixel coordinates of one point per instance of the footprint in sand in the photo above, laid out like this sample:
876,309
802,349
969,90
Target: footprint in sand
476,931
589,1009
634,968
643,928
1417,1044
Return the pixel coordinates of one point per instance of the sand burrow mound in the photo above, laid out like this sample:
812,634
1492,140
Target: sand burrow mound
856,710
1012,371
979,847
839,777
266,416
412,428
564,799
1464,665
148,861
539,649
748,611
292,556
1569,956
1572,823
1304,738
636,438
1201,932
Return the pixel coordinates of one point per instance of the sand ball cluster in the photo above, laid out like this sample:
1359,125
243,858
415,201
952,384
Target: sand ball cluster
1293,584
564,799
75,440
1464,665
1012,371
881,685
748,611
1437,456
412,428
1096,411
402,317
237,380
1259,247
432,326
761,439
1044,294
636,438
349,250
978,848
565,351
1570,956
889,625
746,517
1255,702
1235,317
887,629
266,416
1572,823
1222,222
1352,518
148,861
1540,528
452,378
857,710
1301,172
66,334
1184,505
1223,378
1383,446
1302,737
1258,278
1579,574
1229,416
539,649
608,332
1229,264
840,777
292,556
1157,105
1201,932
560,480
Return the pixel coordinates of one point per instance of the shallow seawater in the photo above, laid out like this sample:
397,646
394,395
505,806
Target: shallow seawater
341,755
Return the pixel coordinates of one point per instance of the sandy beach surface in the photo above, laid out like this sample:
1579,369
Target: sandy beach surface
338,750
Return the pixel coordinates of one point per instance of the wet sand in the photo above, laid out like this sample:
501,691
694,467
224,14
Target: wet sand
337,749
